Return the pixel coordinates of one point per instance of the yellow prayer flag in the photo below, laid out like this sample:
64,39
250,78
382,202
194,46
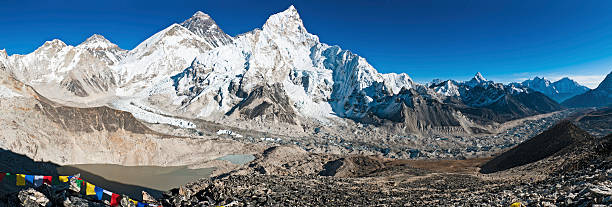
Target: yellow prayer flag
91,189
63,179
20,179
133,201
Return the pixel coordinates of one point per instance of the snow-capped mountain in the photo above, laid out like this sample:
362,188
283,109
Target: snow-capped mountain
280,73
202,25
600,96
321,80
478,79
496,101
559,90
158,57
75,71
103,49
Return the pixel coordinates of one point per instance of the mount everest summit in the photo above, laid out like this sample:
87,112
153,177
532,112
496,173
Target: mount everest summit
278,75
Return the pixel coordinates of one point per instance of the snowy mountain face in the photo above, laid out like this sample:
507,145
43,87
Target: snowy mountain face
75,70
476,92
279,73
484,100
320,80
477,80
103,49
157,58
559,90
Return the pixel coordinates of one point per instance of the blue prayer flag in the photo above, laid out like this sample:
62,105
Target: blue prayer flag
29,178
99,192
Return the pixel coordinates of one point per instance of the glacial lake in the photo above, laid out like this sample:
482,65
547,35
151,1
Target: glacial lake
132,180
238,159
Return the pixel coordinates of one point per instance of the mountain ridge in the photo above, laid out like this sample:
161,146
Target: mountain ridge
598,97
195,70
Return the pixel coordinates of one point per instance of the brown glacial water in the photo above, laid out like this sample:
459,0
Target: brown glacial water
132,180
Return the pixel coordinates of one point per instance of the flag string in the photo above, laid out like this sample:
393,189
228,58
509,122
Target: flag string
90,189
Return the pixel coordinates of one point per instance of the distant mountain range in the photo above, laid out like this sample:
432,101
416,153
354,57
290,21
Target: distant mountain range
484,100
600,96
278,76
559,90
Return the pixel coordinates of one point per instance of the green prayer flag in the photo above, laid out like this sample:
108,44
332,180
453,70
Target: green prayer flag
55,180
9,178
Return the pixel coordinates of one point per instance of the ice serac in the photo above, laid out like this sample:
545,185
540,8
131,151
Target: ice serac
204,26
600,96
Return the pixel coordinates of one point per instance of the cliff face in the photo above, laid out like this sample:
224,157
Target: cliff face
92,119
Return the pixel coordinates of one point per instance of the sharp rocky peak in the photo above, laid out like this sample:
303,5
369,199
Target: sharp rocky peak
478,77
200,14
286,21
606,83
204,26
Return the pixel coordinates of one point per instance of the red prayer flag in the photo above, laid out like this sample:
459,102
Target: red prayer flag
2,176
114,200
47,180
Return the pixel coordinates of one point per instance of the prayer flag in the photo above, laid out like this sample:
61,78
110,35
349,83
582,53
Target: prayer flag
21,179
38,180
2,176
64,179
91,189
114,200
47,180
107,192
140,204
29,178
54,180
9,178
99,192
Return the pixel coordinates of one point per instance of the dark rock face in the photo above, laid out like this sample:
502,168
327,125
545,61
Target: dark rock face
562,136
352,166
204,26
512,106
92,119
600,96
269,103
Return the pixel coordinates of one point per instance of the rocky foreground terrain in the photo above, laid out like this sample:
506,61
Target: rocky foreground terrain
576,173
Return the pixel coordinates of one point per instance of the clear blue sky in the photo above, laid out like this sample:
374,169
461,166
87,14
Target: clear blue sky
505,40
